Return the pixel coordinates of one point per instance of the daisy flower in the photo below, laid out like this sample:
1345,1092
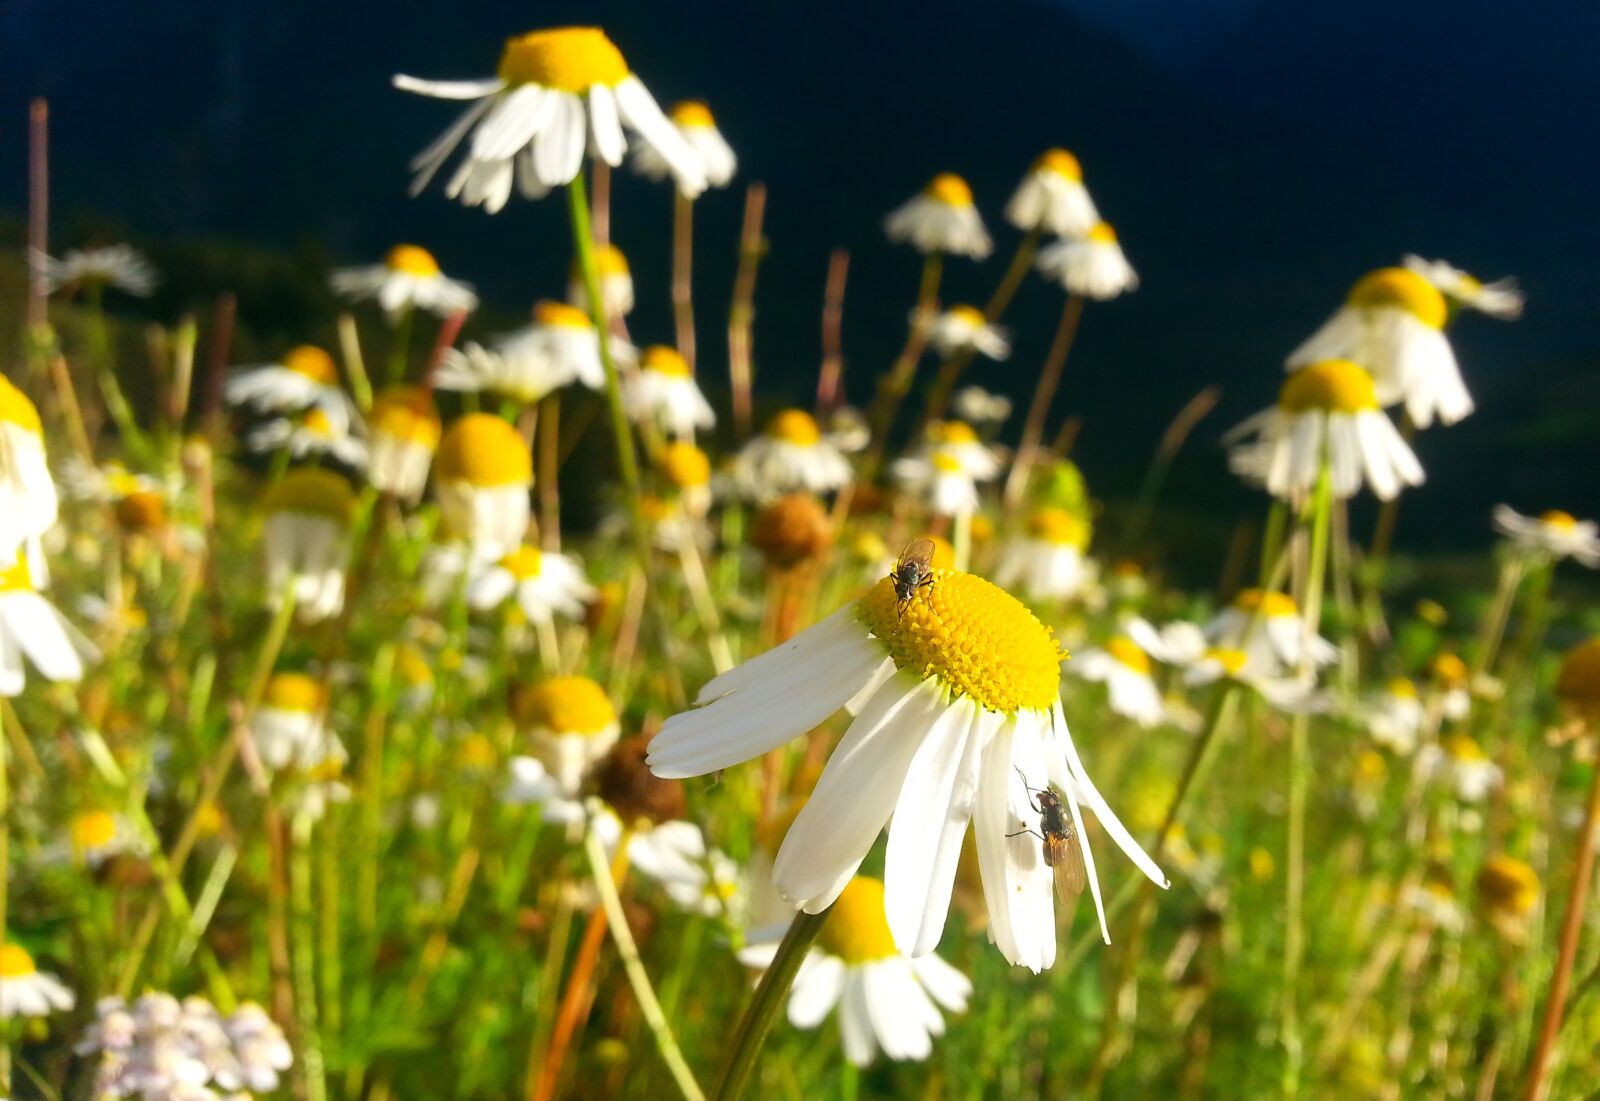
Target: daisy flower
557,94
978,406
31,627
1508,894
848,430
313,434
570,723
306,540
957,439
1268,628
965,329
561,347
25,991
404,430
698,129
887,1000
1124,668
1392,324
687,470
938,479
789,455
1451,678
1092,266
1326,412
1048,561
119,266
1435,902
1292,694
544,583
956,697
1394,717
408,279
663,390
305,379
98,835
1499,299
289,729
1460,763
28,501
1554,535
941,218
1052,198
482,476
616,283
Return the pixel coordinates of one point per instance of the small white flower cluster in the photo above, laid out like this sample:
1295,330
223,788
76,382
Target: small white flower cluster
161,1049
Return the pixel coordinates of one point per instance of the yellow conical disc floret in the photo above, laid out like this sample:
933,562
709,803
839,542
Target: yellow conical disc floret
524,563
609,260
1101,233
313,363
1272,605
484,451
1060,162
857,929
663,360
1403,688
794,426
1401,288
1462,748
412,260
692,114
1507,884
318,423
93,829
1561,521
571,59
1579,680
685,465
1058,527
15,962
978,639
547,313
1127,653
952,432
15,408
406,413
313,490
949,189
567,705
968,315
1332,386
946,463
15,577
1450,670
295,692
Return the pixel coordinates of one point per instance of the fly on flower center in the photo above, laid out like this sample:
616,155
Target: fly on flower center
295,692
795,426
560,315
661,360
1403,289
570,59
312,363
692,114
15,962
412,260
1331,386
857,929
1127,653
15,408
949,189
1060,162
92,830
976,638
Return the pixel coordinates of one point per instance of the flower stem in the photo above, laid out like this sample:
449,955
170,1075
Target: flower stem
400,346
305,961
5,871
894,385
1039,410
741,371
682,267
763,1008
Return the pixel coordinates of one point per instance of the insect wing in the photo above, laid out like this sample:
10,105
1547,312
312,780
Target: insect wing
1064,854
918,555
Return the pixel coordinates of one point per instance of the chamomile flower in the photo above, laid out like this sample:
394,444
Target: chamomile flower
1326,412
1508,894
1394,716
954,691
965,329
663,391
941,218
1125,669
561,347
570,724
1267,626
1092,266
958,440
887,1000
1499,299
305,379
120,266
314,433
95,836
1296,695
404,434
306,540
482,476
976,405
28,500
545,584
1460,764
1392,324
25,991
1047,561
528,782
557,94
1552,535
789,455
698,129
1452,680
1052,198
30,627
616,283
289,729
1434,900
408,279
847,430
687,470
938,479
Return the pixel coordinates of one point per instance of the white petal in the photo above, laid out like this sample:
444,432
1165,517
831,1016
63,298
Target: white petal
448,89
816,991
605,125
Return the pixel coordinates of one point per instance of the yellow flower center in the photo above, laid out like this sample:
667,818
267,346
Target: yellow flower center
1232,661
970,316
1450,670
318,423
946,463
1403,688
1332,386
15,408
413,666
476,751
14,578
656,509
1506,883
15,961
313,363
315,490
1579,679
1561,521
1370,766
1101,233
407,414
976,638
120,481
794,426
1431,611
1403,289
1058,526
685,465
486,452
857,930
209,819
1272,605
949,189
692,114
412,260
93,830
1462,748
571,59
1128,653
295,692
665,361
569,705
523,563
560,315
1060,162
610,261
1262,865
953,432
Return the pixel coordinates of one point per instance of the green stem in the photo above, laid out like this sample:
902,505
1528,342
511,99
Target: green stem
1512,571
400,346
764,1004
894,385
305,960
5,871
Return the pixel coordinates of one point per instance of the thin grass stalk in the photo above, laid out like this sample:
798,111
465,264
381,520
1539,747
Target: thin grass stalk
355,365
830,378
5,880
400,346
894,386
682,275
38,227
303,926
1039,409
741,315
548,440
751,1033
1172,441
